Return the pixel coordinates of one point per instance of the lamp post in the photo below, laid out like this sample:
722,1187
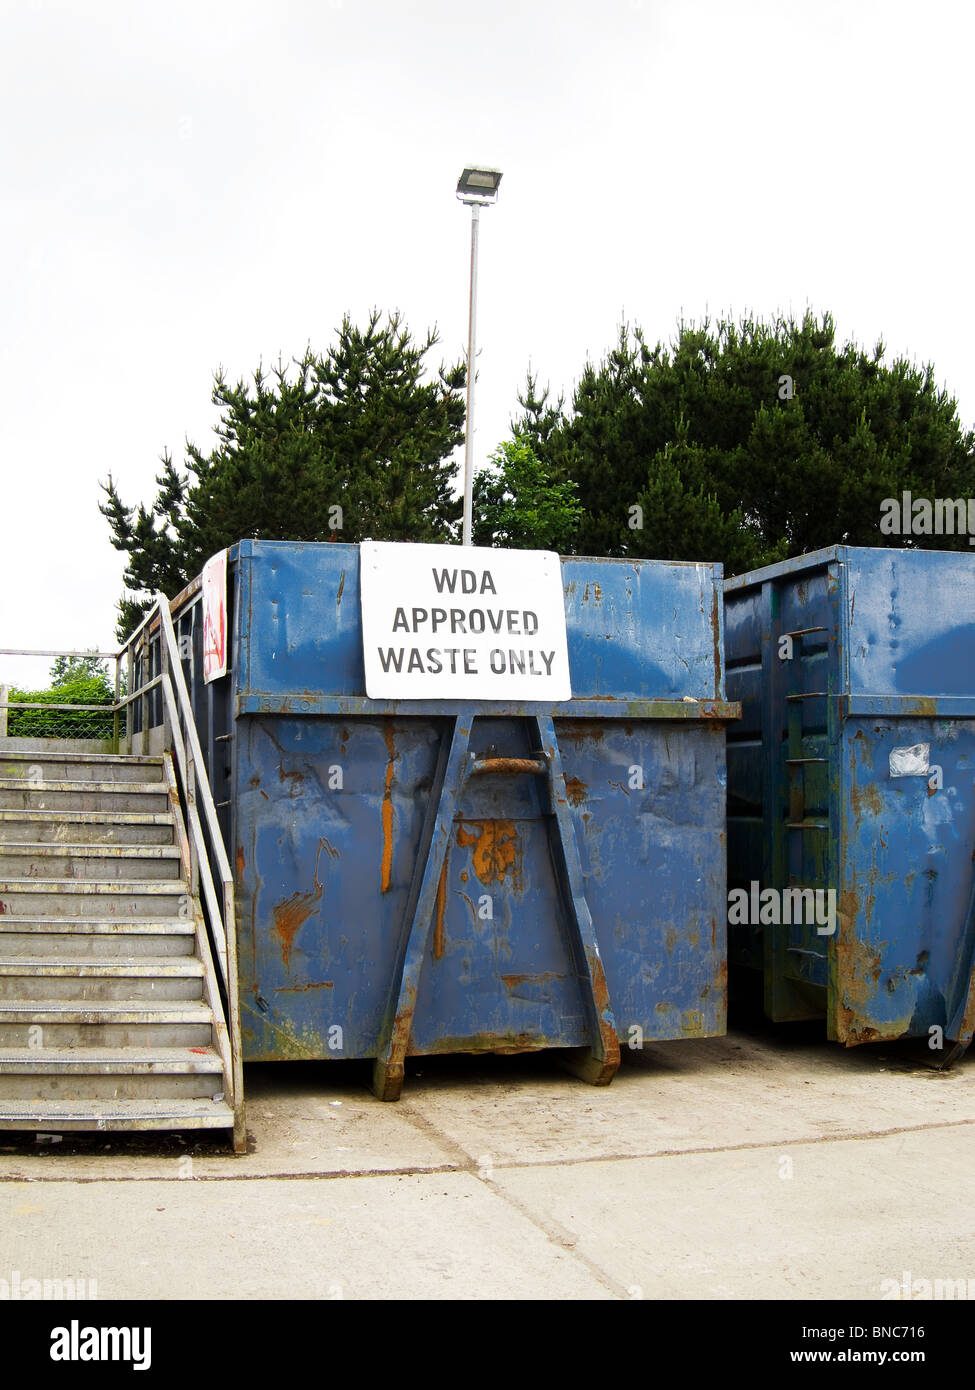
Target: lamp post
477,188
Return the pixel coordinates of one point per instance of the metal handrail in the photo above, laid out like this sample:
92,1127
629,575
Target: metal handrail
6,704
113,709
82,709
36,651
210,872
207,866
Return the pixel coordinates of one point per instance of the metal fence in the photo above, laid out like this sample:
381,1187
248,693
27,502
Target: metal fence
86,708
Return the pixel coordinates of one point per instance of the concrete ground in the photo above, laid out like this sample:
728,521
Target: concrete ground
767,1164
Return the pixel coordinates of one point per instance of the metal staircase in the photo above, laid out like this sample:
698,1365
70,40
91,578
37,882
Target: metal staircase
118,1007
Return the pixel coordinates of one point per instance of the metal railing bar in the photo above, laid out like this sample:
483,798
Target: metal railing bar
193,738
142,690
209,892
82,709
178,715
169,701
31,651
179,725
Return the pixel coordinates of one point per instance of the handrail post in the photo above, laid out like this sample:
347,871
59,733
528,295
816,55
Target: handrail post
144,670
129,688
4,698
233,1014
118,693
191,802
169,735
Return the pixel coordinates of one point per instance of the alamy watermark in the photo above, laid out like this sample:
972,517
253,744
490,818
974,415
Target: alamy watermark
909,1289
924,516
24,1288
755,906
77,1343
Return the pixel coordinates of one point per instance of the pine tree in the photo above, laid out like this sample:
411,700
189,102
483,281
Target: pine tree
747,442
349,444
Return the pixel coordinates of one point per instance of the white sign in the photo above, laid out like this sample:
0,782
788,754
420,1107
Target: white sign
452,622
911,762
215,617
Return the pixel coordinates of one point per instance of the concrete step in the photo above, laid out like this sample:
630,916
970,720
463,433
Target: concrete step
103,1023
119,1061
66,1116
86,827
27,937
88,862
18,795
138,969
126,899
144,1023
109,1073
87,981
76,767
87,926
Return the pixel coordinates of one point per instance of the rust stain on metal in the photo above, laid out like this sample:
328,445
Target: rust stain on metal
438,932
503,1043
857,1032
497,849
240,861
297,780
300,989
507,767
575,790
546,977
338,596
600,989
866,798
716,633
858,972
291,915
581,730
387,811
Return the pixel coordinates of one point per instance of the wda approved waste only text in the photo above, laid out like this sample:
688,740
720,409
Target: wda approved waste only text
451,622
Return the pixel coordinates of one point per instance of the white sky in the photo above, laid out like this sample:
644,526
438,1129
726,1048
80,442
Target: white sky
184,185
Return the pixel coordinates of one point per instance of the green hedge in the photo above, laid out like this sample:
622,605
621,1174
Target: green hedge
60,723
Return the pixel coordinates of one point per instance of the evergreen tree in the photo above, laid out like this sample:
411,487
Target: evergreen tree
747,442
345,445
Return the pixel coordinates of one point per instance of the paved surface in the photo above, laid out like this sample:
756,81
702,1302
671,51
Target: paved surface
761,1165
